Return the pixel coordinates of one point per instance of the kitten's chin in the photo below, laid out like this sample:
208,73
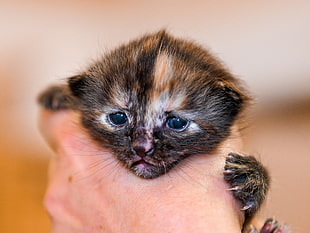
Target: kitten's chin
146,170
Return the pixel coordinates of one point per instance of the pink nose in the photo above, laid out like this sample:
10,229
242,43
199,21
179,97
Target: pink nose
143,151
143,142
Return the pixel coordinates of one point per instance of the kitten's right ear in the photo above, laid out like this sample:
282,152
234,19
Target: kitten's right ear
77,85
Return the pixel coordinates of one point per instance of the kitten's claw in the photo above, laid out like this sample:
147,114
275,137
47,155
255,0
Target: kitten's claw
235,188
249,181
228,172
244,208
270,226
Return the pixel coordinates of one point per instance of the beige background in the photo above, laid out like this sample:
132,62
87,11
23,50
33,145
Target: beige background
266,43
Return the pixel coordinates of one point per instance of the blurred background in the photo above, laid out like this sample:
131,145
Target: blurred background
265,43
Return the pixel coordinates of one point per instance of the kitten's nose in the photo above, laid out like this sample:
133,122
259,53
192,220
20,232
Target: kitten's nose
143,142
142,151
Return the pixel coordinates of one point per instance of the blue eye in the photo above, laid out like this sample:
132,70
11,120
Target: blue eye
176,123
118,118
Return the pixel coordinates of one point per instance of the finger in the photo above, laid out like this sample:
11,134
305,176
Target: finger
51,124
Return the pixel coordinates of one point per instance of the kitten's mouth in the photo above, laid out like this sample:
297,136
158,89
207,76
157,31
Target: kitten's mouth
144,168
137,160
141,163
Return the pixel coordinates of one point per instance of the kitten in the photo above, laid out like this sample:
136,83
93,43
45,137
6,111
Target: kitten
158,100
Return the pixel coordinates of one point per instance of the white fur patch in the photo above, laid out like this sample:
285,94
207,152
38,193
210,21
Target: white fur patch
105,122
103,119
193,127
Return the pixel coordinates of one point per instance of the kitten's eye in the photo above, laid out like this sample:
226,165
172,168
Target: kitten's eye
118,118
176,123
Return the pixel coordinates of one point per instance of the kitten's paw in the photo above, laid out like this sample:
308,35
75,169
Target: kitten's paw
249,181
56,98
270,226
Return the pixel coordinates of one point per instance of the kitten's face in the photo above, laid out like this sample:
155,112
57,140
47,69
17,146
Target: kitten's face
157,101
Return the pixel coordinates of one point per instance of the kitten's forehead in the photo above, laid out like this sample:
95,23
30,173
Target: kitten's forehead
164,96
156,75
163,71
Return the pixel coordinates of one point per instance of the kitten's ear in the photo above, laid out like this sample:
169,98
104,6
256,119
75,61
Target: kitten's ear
237,99
77,84
235,90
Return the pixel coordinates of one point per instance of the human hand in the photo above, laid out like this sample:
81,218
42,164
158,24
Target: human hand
90,191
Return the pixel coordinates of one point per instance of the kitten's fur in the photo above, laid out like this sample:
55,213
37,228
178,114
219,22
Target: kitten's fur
173,99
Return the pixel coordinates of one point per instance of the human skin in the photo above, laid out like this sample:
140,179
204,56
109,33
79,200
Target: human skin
89,191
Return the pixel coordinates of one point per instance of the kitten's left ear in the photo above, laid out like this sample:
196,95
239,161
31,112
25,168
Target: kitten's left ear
77,84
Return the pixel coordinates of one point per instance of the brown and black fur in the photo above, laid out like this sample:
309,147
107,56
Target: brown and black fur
150,81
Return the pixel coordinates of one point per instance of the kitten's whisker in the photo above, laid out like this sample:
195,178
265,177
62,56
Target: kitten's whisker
96,167
97,163
108,173
115,168
182,174
191,178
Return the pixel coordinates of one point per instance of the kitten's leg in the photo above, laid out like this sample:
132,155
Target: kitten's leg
270,226
57,98
249,182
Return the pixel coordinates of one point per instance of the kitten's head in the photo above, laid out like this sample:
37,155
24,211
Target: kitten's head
156,101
